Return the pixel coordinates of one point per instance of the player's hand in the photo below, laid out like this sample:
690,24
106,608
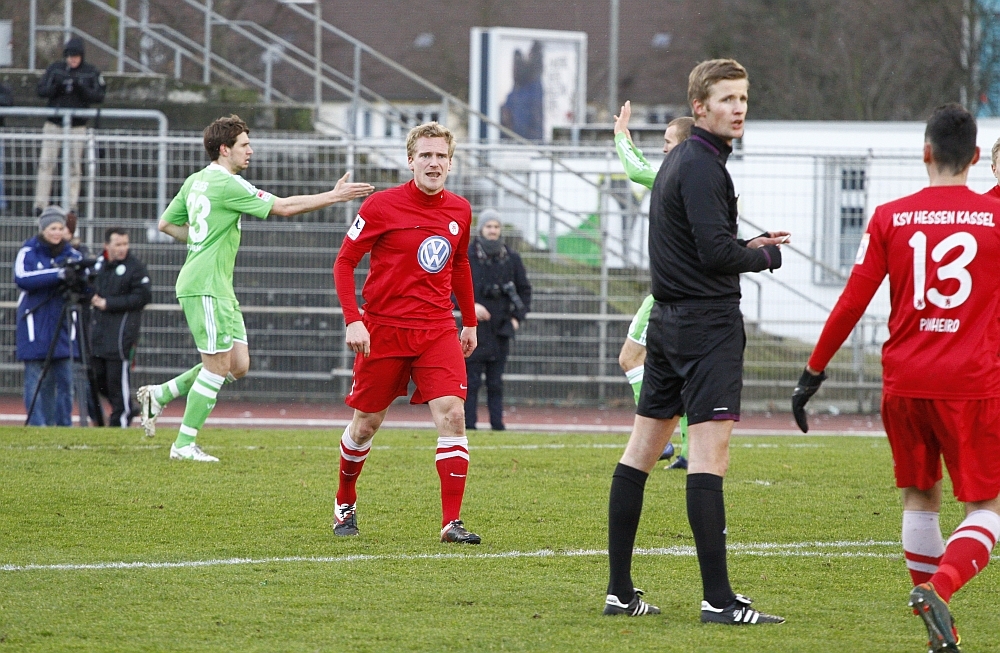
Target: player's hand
469,340
807,386
621,120
346,191
770,238
482,313
358,339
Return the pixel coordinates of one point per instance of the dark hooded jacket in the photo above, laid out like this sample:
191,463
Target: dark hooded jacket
492,267
125,285
71,88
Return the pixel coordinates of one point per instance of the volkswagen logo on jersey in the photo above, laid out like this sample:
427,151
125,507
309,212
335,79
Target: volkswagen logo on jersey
434,252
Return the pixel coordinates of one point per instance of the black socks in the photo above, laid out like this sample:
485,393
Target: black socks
624,510
707,516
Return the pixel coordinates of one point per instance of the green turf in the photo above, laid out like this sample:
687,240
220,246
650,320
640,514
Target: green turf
86,496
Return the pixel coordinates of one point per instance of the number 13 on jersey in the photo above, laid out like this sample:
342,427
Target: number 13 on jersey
953,270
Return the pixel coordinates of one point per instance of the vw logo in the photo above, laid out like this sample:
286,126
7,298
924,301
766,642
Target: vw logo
434,252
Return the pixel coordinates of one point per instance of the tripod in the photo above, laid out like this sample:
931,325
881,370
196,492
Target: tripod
68,318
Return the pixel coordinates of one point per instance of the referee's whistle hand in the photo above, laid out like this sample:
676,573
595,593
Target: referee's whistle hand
773,238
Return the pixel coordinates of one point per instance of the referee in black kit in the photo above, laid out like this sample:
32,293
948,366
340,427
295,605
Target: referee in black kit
695,342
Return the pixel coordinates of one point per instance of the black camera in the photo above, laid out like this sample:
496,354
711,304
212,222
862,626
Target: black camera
77,274
510,290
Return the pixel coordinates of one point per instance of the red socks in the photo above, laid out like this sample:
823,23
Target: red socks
967,553
923,545
452,461
352,459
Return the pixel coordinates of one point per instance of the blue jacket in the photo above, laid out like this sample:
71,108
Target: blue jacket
41,301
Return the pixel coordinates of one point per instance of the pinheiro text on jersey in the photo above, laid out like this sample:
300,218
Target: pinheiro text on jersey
980,218
939,324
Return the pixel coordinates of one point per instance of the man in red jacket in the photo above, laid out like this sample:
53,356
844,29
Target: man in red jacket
418,237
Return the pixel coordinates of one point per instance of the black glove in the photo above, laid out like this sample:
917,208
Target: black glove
807,386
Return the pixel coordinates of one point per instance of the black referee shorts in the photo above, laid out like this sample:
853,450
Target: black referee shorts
694,362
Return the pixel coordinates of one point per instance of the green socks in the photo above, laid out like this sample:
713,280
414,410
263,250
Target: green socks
176,387
200,402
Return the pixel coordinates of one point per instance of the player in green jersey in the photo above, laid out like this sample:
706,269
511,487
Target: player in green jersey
206,215
633,354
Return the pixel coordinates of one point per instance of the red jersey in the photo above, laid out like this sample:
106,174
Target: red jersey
993,192
419,256
940,248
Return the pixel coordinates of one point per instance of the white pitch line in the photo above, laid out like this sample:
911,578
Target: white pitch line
764,549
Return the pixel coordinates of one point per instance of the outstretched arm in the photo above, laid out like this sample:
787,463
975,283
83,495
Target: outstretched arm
344,191
636,166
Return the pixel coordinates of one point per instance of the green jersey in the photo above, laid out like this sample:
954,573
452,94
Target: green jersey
211,202
636,166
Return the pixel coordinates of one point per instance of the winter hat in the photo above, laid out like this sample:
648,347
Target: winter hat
74,47
488,215
50,215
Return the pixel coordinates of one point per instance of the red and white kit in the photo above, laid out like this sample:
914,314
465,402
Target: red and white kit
940,248
419,257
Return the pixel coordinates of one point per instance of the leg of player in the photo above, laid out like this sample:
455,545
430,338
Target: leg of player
631,359
355,444
967,553
201,399
682,458
628,485
709,448
152,398
452,462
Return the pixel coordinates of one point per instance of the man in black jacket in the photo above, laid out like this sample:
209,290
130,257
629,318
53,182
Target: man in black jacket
68,84
694,342
503,299
121,290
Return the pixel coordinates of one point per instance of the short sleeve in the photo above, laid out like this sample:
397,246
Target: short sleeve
243,197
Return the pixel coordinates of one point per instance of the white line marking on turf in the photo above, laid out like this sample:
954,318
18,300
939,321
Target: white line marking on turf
766,549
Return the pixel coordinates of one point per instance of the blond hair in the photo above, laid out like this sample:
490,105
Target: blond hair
996,151
683,126
707,73
429,130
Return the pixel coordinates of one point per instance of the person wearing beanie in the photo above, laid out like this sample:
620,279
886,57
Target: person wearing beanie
70,83
503,299
39,273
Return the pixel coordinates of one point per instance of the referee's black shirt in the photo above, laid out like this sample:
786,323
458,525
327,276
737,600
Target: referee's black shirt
693,250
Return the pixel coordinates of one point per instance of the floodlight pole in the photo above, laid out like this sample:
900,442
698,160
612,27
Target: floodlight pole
613,60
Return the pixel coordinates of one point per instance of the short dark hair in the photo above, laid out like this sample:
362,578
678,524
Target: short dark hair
951,133
113,231
224,131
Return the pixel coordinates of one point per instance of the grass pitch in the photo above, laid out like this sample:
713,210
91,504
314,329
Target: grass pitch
106,545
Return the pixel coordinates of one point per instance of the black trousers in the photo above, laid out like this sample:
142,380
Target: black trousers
493,371
114,382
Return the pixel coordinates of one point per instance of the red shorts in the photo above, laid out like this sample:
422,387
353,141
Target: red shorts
965,432
431,357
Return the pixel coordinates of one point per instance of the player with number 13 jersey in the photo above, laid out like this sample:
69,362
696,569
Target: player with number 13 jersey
940,248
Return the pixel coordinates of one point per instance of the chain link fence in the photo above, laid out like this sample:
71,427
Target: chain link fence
579,225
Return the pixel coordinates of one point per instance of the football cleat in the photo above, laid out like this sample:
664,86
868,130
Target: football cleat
149,409
191,452
737,613
455,531
345,521
680,463
634,608
934,611
668,452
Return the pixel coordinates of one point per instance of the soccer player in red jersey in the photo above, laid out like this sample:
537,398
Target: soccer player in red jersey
941,369
418,238
995,191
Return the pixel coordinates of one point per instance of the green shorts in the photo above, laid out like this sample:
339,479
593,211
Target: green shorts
637,329
215,323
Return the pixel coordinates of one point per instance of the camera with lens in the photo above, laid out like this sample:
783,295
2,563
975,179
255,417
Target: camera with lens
508,290
77,274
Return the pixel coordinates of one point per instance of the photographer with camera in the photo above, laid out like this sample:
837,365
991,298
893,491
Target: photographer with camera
503,299
68,84
121,290
47,270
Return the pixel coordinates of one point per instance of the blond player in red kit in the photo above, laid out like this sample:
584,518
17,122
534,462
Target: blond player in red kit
417,235
941,368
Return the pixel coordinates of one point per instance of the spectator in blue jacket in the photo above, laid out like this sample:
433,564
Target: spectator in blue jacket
38,274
